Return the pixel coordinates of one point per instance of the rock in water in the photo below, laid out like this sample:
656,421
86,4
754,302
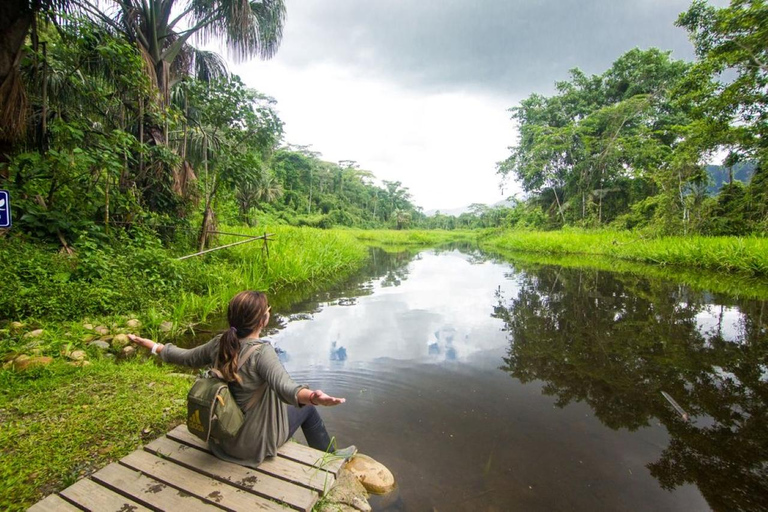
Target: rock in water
347,494
120,341
374,476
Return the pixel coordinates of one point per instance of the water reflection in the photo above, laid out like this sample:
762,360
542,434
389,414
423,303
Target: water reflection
616,342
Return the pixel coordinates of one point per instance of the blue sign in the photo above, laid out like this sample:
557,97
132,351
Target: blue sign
5,209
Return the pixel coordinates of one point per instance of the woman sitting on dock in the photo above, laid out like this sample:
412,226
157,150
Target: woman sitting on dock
284,406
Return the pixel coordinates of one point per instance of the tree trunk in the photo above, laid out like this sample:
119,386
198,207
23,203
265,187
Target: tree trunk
16,18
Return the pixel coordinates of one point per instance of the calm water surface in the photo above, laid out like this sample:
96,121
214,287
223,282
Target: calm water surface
495,386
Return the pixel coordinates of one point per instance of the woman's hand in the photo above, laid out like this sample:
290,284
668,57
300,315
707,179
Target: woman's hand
318,397
142,342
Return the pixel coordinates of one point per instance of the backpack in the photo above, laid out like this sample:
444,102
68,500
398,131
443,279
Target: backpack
212,413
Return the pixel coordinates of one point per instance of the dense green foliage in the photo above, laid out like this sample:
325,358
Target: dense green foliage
629,147
137,276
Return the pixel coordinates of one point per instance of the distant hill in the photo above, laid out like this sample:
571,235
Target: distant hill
719,174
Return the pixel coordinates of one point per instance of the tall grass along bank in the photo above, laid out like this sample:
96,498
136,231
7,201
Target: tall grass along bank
723,254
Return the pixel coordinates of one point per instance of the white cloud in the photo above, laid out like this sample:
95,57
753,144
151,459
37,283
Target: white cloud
443,146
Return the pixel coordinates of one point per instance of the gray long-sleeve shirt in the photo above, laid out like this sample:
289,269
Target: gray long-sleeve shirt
265,427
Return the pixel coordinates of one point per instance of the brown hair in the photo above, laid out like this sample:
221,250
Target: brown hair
247,312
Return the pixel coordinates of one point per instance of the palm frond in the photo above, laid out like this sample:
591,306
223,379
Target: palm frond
248,28
209,66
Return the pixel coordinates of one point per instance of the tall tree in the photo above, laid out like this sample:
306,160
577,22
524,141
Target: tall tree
728,88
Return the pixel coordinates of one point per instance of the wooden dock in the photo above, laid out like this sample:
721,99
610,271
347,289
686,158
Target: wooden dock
177,472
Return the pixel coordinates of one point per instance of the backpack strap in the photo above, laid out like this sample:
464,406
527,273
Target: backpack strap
256,397
247,355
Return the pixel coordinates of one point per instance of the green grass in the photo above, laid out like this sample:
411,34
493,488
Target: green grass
409,237
156,288
748,256
734,285
60,422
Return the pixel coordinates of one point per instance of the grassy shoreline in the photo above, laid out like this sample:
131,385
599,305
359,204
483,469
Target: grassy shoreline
748,256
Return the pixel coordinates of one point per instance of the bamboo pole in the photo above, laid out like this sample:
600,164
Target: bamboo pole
263,237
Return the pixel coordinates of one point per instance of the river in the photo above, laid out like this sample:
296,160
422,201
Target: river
487,385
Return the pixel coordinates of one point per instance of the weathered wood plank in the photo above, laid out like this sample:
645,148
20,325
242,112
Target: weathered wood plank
92,496
197,484
149,491
53,503
290,450
301,474
241,477
310,457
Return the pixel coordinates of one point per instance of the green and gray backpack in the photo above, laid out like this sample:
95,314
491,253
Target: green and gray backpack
212,413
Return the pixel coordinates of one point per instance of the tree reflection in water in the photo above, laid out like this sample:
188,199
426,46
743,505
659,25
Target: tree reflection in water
617,341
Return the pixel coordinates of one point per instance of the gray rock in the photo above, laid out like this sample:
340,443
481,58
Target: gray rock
120,341
166,326
16,326
129,351
34,334
77,355
133,323
88,327
99,344
102,329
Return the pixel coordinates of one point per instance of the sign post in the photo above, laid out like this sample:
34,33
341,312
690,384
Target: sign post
5,209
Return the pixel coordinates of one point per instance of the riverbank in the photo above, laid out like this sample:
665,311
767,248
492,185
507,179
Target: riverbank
748,256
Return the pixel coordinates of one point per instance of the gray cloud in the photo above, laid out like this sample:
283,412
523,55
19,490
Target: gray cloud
502,47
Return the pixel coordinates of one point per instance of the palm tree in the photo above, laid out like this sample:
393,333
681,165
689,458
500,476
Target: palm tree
266,189
248,28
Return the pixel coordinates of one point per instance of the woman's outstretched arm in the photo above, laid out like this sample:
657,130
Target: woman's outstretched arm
197,357
269,367
318,397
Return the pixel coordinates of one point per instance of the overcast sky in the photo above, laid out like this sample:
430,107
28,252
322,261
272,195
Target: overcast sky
418,90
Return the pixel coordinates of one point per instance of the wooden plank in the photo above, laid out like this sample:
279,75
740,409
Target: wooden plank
52,503
290,450
149,491
311,457
196,484
89,495
301,474
241,477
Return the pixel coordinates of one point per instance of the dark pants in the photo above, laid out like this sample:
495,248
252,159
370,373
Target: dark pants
308,418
